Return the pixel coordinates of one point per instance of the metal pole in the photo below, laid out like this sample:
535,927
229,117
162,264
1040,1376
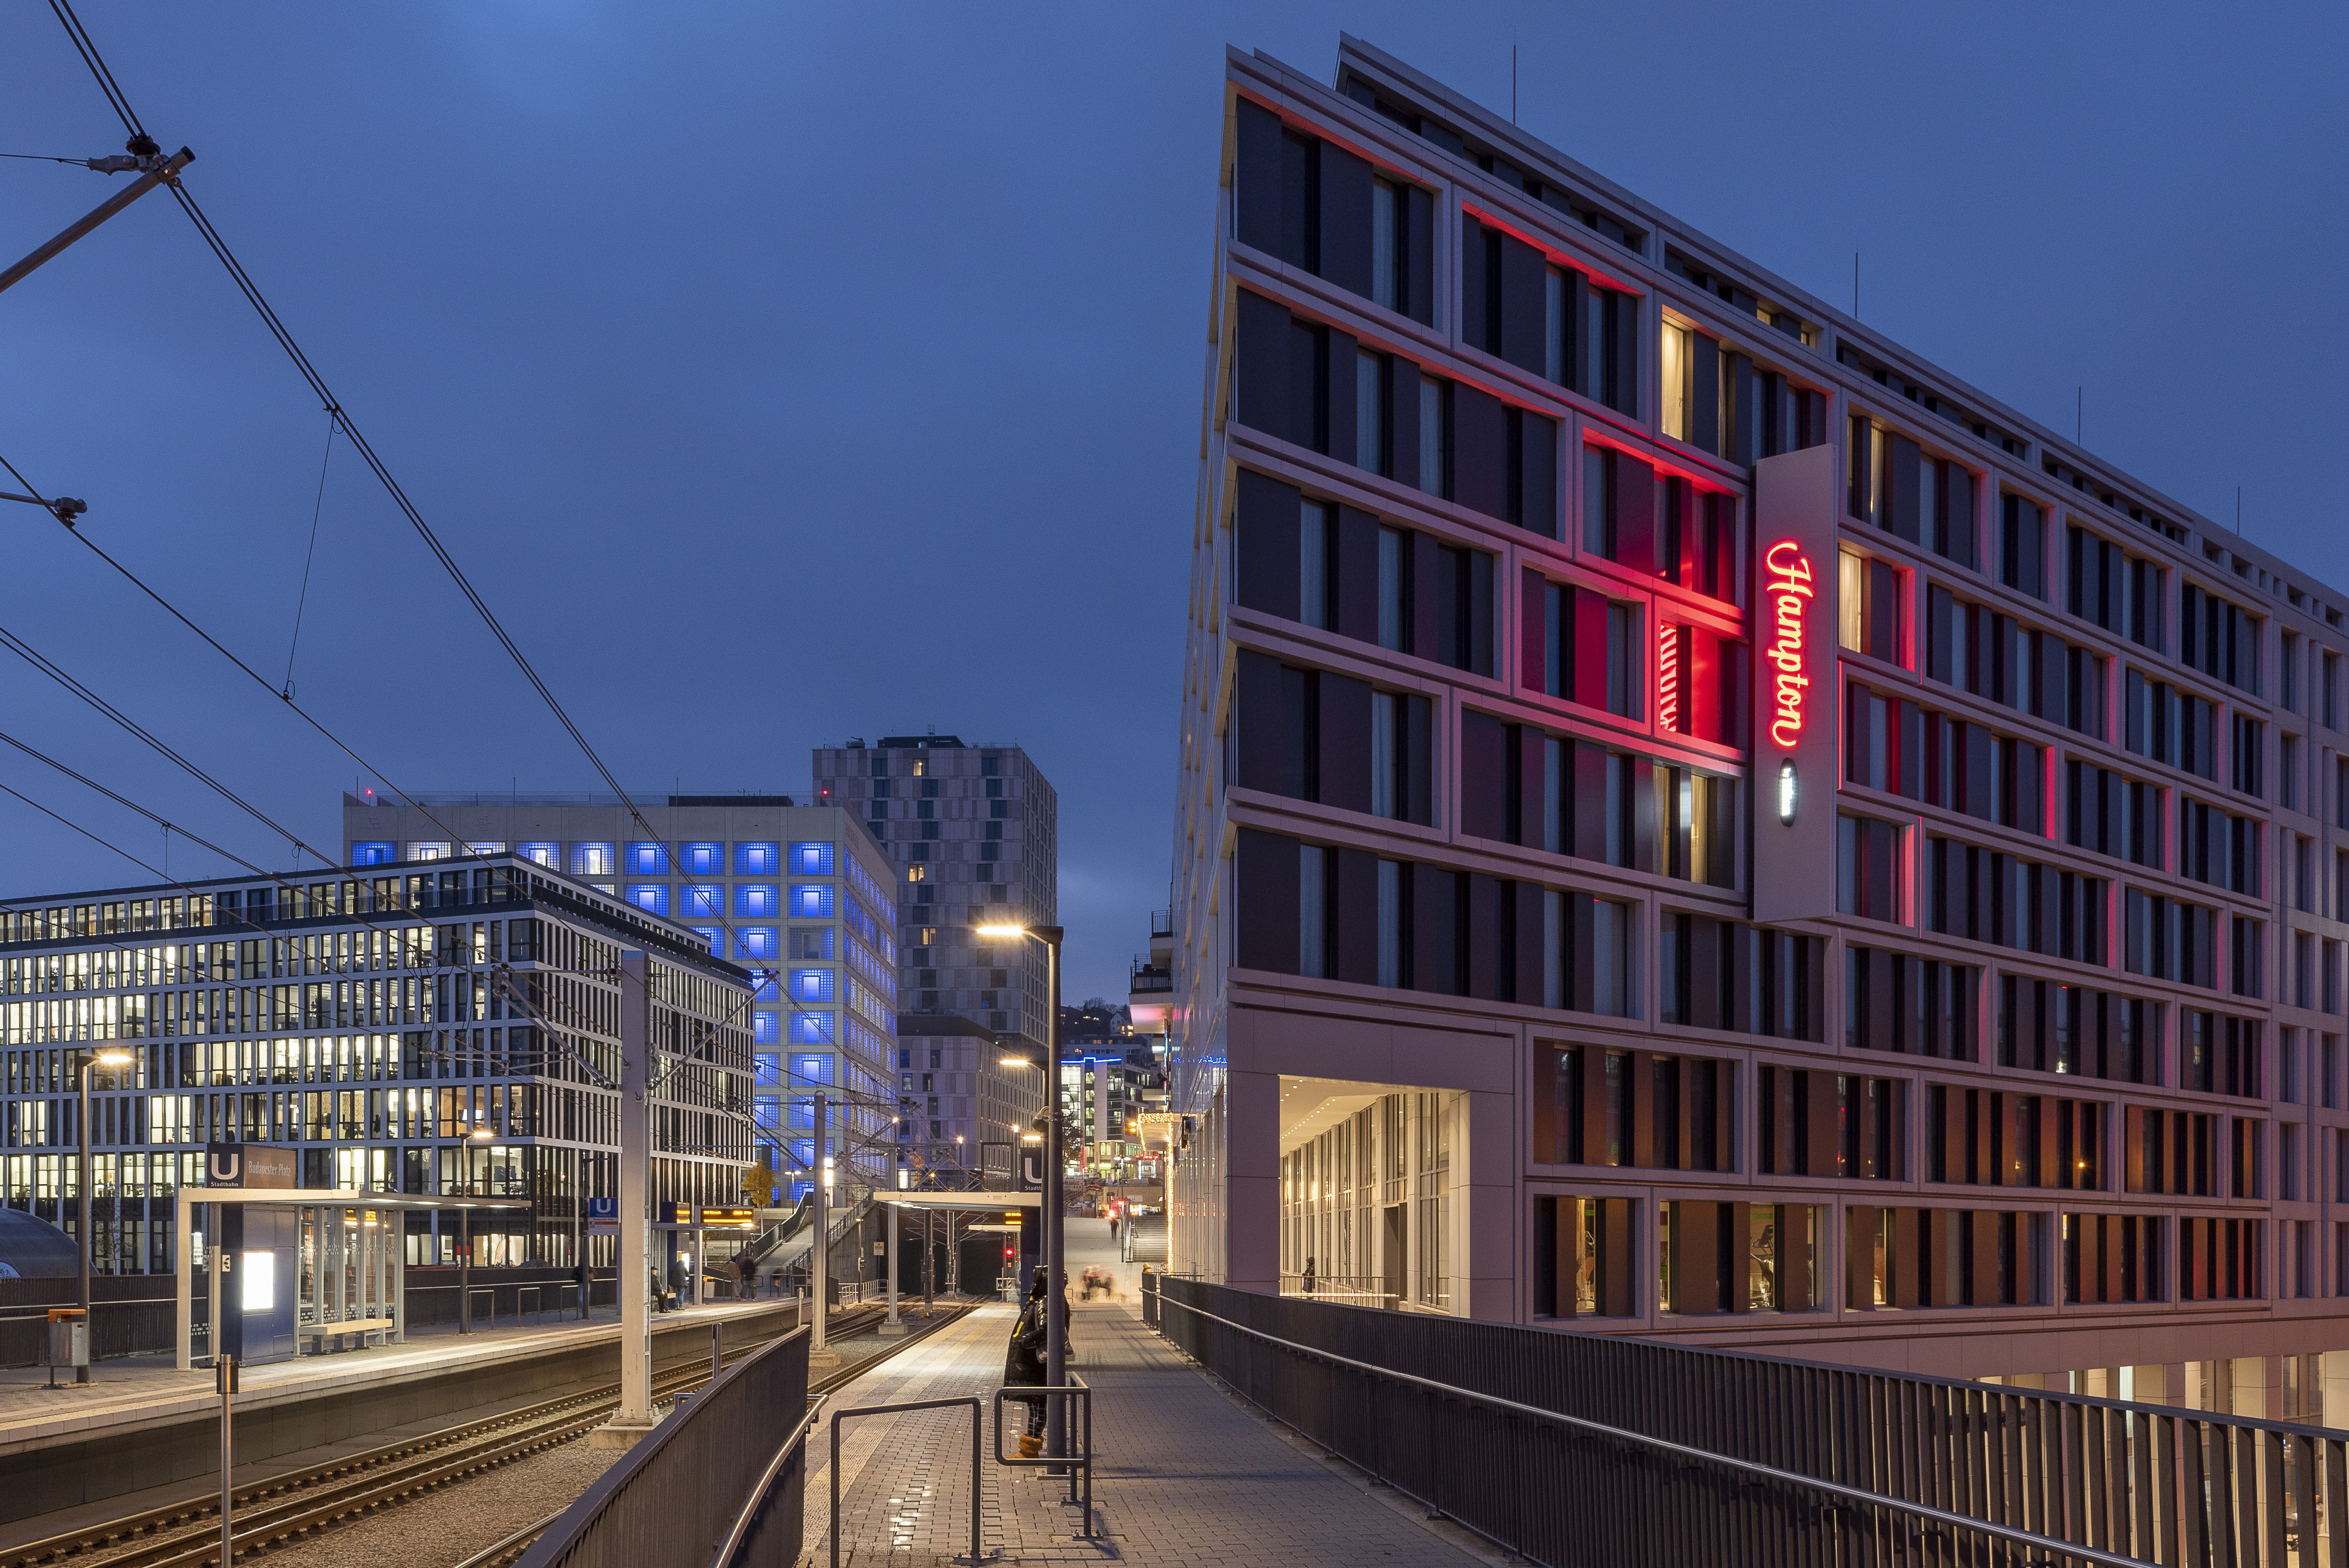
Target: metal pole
930,1258
819,1265
895,1219
1056,1314
716,1348
82,1248
98,214
635,1415
224,1377
465,1272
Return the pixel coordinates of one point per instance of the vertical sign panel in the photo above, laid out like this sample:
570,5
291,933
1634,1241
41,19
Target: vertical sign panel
1796,708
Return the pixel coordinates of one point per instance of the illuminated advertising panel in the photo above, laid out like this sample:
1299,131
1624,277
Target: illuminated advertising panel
1795,711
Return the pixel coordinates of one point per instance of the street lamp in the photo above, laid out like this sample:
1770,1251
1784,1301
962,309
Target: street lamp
84,1244
1055,1251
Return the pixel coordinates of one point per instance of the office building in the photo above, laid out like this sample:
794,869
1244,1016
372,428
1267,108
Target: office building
1697,822
407,1028
1103,1091
973,830
966,1110
799,895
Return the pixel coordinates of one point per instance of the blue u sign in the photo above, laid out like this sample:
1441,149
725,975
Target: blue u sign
605,1209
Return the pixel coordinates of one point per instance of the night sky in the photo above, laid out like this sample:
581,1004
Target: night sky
781,374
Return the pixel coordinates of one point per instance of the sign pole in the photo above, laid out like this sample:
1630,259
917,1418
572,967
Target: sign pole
225,1379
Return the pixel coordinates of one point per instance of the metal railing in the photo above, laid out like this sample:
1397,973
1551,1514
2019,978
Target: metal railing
1579,1447
701,1481
969,1400
1080,1393
1346,1290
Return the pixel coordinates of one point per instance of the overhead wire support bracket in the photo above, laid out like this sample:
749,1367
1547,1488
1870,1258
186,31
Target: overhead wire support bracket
65,507
166,172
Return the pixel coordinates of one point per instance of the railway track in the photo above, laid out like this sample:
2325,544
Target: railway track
510,1551
317,1498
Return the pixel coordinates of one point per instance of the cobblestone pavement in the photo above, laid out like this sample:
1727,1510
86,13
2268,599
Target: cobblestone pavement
1186,1474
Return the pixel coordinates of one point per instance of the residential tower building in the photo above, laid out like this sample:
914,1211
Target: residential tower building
972,829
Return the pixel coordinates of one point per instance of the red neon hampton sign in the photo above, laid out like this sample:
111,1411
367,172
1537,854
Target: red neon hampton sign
1788,590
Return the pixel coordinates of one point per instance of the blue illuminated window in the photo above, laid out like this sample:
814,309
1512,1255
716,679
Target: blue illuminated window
547,855
704,860
769,1066
702,900
766,1029
758,901
758,860
593,860
812,1070
768,1112
804,1114
374,854
652,896
758,944
803,1150
716,936
769,990
812,1029
647,860
810,859
810,900
811,985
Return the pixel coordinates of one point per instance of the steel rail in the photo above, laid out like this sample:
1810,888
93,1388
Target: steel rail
329,1489
510,1548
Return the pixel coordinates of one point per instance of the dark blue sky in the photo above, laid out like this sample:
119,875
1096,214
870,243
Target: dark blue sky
782,374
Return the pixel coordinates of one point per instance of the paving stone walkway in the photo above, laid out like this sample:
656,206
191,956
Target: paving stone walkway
1186,1474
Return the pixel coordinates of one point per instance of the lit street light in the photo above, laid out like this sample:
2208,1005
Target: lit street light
1055,1272
84,1246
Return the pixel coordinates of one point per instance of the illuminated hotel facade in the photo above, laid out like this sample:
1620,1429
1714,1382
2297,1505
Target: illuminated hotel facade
1696,822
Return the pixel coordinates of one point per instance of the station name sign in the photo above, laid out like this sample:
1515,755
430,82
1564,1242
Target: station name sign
249,1165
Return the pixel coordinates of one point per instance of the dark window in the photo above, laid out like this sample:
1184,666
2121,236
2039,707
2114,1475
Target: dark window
2218,639
1591,339
1322,210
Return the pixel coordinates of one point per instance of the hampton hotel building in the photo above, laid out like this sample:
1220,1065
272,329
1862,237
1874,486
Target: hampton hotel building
1695,821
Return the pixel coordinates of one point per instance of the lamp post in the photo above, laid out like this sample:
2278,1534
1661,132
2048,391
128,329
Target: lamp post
83,1242
1055,1272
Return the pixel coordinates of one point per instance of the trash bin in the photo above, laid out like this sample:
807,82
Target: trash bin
69,1336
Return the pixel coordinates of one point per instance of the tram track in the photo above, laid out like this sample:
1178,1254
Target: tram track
315,1499
510,1550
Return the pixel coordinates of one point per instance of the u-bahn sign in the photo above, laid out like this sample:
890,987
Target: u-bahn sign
249,1165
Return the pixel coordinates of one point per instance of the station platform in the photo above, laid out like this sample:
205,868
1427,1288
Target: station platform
1186,1474
143,1423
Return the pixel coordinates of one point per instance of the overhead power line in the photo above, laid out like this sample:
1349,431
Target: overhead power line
120,103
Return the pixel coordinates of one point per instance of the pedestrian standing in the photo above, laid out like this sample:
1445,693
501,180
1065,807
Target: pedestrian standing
1308,1276
1023,1364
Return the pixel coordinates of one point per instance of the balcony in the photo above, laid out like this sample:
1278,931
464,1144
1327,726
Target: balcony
1161,923
1150,996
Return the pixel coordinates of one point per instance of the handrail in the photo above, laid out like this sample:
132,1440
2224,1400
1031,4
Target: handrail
758,1498
2056,1548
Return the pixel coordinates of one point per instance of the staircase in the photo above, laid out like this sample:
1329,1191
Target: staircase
783,1249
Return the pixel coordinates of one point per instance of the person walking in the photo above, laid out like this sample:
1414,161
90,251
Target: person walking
1023,1364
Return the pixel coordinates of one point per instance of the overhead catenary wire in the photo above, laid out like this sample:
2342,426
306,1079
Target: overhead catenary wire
317,510
42,663
119,101
91,57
